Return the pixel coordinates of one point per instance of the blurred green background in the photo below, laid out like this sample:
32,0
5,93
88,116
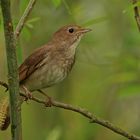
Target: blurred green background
105,78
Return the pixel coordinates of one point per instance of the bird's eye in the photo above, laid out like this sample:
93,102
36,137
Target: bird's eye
71,30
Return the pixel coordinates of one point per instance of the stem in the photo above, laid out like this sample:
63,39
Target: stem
137,15
24,18
15,113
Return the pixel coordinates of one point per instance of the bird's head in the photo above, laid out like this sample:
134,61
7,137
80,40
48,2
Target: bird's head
69,35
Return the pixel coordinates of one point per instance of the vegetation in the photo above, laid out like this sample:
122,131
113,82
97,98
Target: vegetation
105,78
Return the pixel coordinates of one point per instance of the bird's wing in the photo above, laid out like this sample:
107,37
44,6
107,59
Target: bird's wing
32,63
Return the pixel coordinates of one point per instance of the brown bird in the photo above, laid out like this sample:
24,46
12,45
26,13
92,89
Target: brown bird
50,63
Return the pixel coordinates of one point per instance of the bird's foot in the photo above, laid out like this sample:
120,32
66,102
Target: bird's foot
28,94
48,102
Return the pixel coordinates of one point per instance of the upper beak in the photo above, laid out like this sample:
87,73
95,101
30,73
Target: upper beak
85,30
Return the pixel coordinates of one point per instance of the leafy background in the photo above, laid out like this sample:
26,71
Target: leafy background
105,78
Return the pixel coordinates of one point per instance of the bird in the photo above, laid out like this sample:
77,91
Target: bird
48,64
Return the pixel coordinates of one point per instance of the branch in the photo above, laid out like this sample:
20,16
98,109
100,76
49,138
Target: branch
24,17
136,12
15,113
93,118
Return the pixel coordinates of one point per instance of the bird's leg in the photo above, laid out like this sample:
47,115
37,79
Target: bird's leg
49,99
28,94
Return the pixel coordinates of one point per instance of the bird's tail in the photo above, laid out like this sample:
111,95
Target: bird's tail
4,114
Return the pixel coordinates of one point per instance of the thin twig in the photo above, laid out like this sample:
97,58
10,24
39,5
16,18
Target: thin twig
137,15
24,18
87,114
91,116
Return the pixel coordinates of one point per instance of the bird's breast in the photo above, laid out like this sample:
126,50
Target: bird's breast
49,74
58,71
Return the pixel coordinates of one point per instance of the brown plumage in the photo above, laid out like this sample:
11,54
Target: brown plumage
51,63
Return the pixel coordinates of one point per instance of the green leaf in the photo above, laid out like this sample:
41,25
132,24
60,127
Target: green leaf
56,3
29,25
30,21
33,20
95,21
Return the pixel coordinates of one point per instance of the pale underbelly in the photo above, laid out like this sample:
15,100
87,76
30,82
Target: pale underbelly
45,78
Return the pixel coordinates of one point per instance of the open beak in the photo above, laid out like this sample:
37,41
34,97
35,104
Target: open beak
85,30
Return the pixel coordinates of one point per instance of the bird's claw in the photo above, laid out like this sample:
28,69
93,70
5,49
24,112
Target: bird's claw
29,96
48,102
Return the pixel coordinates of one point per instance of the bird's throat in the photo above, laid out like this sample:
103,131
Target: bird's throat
71,49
